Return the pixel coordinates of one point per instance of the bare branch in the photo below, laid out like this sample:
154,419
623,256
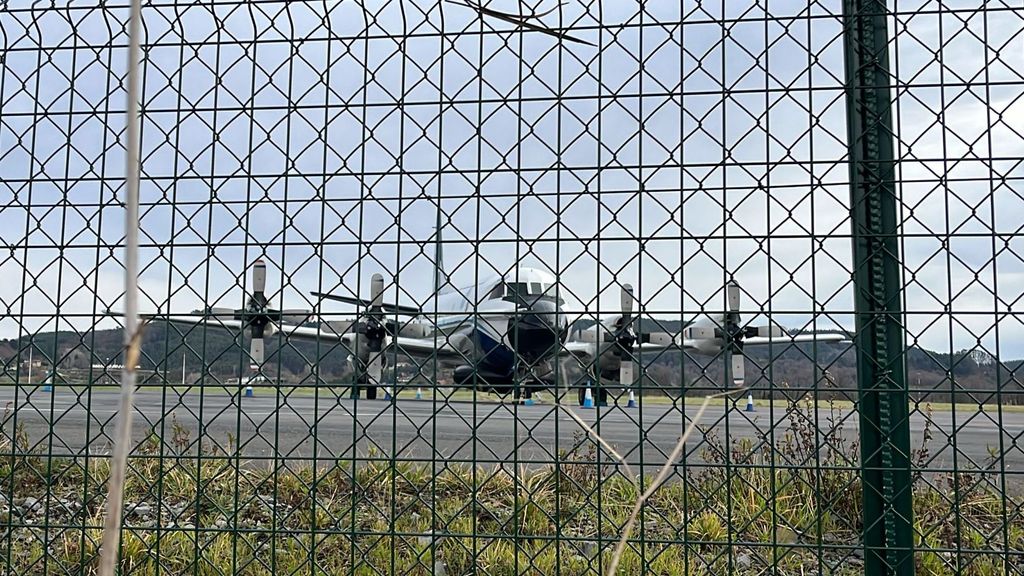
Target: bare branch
520,20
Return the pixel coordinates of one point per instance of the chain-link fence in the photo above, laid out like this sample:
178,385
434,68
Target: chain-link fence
450,288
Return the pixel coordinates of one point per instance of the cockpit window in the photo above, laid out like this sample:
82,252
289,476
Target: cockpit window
514,290
517,289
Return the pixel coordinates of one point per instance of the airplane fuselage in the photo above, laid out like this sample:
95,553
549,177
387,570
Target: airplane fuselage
501,326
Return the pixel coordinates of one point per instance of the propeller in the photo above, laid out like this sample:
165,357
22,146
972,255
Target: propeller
732,333
625,336
374,330
622,337
370,330
258,303
257,317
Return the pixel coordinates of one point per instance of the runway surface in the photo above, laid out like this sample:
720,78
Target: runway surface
304,426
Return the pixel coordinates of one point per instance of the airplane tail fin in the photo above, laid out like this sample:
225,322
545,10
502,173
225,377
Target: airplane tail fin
441,280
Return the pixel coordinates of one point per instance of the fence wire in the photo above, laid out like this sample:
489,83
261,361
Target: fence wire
437,287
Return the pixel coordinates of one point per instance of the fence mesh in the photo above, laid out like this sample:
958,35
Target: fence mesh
587,217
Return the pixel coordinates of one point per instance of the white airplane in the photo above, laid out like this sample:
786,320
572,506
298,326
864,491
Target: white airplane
516,327
503,334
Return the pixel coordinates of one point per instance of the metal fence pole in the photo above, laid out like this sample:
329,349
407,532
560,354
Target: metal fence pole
883,405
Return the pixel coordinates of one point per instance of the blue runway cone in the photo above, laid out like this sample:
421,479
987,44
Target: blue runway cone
632,400
528,401
48,384
419,393
750,403
249,392
588,398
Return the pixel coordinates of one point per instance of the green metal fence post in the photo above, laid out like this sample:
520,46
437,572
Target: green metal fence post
883,407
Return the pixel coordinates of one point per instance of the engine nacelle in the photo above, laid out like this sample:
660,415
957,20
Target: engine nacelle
269,330
415,330
608,359
705,335
605,354
358,345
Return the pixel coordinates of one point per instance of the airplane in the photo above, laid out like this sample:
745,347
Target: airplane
503,334
516,327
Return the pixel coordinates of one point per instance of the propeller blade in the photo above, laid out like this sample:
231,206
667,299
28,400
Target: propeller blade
256,350
376,292
389,308
259,277
626,300
732,291
738,369
374,369
338,298
626,372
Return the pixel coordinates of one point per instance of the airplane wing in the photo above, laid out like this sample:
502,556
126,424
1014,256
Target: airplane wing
428,349
657,342
582,349
795,339
212,322
419,347
695,336
780,341
289,331
576,348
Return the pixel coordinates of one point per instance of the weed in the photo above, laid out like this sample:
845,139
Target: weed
751,506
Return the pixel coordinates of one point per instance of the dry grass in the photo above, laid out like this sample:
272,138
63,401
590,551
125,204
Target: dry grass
747,507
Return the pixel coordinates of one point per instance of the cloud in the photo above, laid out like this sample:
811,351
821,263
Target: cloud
313,134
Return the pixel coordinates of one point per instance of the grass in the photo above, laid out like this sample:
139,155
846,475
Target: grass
215,514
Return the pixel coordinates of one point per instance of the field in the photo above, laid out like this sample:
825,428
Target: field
794,506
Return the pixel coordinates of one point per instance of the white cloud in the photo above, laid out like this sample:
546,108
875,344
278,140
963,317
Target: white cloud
545,171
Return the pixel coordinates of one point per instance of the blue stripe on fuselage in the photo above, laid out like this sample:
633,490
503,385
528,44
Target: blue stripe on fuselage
497,357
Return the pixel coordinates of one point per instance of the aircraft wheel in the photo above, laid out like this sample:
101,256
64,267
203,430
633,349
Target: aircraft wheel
371,392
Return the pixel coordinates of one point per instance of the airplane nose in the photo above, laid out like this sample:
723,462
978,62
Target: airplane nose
537,330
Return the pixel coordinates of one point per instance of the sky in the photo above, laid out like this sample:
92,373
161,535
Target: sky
694,142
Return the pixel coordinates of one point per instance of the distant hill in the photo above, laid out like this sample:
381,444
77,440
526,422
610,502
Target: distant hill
215,351
932,375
